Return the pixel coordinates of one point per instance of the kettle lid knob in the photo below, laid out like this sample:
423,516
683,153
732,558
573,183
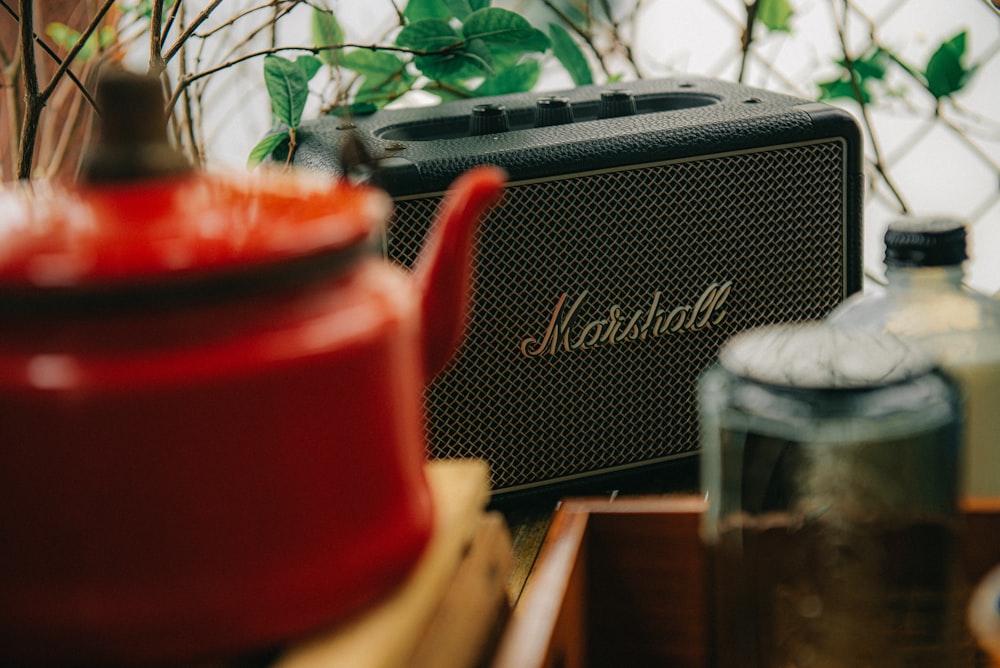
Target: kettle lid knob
132,139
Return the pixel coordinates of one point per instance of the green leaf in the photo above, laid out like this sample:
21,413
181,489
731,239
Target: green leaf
871,65
265,147
448,92
457,58
418,10
946,73
460,9
384,75
326,31
144,8
428,35
355,109
452,67
842,89
775,14
309,65
287,87
372,64
66,38
569,53
479,56
107,36
502,27
517,79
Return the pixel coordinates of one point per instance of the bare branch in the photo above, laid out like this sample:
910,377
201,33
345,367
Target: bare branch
585,35
616,37
747,38
71,56
170,22
877,162
315,50
156,64
52,54
32,99
201,18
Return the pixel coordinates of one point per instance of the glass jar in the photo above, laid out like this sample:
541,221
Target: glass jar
830,466
924,298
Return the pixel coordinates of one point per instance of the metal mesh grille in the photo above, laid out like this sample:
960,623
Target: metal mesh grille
770,222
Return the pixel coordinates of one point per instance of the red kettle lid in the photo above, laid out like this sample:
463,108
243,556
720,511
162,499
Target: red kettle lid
135,223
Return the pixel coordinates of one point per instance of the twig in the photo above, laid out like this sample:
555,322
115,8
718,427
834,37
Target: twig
73,52
35,99
251,34
156,64
877,161
183,37
52,54
174,10
583,34
33,103
10,73
747,39
616,36
271,4
315,50
65,137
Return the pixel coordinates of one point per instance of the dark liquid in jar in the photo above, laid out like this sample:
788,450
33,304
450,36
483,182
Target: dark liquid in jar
842,583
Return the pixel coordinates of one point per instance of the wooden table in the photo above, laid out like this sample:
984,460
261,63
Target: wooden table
530,516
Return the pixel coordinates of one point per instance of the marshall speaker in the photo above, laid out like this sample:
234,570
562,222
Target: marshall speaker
644,225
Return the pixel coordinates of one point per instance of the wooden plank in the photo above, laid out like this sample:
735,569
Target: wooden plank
545,629
386,635
613,574
464,627
646,590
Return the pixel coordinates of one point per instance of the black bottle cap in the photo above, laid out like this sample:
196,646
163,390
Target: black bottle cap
553,111
616,103
488,119
925,242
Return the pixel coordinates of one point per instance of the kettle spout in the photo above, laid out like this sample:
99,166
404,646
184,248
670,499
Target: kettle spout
442,271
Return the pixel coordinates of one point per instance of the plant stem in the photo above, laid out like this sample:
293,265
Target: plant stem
617,38
190,78
156,64
584,34
747,37
179,42
11,70
35,99
878,163
32,99
52,54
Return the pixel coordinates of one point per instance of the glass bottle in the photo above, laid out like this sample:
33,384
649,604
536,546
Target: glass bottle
830,466
925,299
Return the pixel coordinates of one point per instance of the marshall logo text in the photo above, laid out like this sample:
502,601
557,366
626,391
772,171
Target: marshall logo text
566,334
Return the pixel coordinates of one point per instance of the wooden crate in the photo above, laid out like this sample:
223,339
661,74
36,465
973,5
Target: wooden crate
623,583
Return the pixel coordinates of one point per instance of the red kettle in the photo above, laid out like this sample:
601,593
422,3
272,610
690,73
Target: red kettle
211,432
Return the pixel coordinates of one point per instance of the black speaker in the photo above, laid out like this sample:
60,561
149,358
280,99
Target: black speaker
644,224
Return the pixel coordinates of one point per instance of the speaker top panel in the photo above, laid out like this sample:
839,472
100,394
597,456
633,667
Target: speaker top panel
537,135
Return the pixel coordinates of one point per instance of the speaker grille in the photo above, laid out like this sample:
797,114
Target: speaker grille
771,223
